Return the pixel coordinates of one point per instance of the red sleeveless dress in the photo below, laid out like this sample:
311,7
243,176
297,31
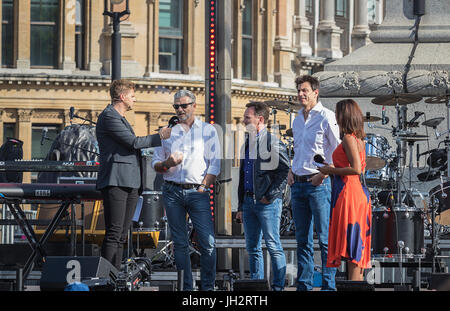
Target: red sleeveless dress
349,235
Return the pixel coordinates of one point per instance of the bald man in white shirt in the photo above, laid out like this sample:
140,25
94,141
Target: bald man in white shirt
315,131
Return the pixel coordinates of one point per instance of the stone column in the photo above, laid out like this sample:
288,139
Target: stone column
329,34
24,134
302,29
284,52
152,63
268,25
195,33
68,35
94,33
22,15
361,31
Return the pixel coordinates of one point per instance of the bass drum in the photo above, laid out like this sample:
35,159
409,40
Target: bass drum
391,226
441,197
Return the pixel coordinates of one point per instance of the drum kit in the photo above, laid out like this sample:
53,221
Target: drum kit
398,223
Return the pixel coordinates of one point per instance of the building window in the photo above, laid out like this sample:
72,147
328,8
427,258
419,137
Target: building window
44,33
341,8
80,55
308,6
9,131
247,40
170,35
7,33
38,151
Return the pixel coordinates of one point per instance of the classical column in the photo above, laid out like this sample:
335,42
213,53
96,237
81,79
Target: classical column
68,35
195,33
152,62
329,34
284,51
361,31
22,14
94,31
302,30
25,135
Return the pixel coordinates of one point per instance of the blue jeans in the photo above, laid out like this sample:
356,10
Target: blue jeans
263,220
311,208
178,202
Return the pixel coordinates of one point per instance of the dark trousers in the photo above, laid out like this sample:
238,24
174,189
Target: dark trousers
119,205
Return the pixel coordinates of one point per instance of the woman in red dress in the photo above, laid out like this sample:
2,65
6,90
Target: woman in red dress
351,213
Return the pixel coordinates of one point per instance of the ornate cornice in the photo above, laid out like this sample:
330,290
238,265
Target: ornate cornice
375,83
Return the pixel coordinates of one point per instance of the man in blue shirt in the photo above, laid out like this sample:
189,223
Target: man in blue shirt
262,180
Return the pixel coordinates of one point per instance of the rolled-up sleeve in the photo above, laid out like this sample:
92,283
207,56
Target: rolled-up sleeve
158,156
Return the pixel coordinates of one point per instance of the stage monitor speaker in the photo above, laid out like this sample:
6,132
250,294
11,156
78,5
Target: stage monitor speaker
347,285
59,271
251,285
440,281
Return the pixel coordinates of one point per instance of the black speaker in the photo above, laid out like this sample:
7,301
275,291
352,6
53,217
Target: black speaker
251,285
440,281
347,285
419,7
59,271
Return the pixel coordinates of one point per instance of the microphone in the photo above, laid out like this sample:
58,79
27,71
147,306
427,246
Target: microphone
384,119
71,113
319,159
417,156
417,114
44,135
173,121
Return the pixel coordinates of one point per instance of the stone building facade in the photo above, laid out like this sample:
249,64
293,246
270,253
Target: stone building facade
56,54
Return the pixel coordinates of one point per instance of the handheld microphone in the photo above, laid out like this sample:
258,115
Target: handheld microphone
320,161
173,121
44,135
384,119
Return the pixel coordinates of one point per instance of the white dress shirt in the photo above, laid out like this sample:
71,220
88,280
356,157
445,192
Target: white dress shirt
318,134
201,153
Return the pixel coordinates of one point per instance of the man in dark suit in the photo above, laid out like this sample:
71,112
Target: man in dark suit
119,178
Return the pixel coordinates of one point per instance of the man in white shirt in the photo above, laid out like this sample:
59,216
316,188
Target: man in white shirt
190,162
315,131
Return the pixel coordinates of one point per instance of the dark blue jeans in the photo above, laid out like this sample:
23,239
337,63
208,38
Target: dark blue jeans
263,220
179,202
311,208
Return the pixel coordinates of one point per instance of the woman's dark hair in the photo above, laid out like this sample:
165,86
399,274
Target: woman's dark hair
350,118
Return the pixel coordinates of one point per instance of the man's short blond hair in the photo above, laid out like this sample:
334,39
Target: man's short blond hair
119,87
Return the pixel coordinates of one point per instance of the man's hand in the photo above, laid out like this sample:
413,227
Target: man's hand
174,159
290,178
317,179
239,217
165,132
264,200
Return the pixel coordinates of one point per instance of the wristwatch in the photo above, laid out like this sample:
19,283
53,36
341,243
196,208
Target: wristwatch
203,186
164,167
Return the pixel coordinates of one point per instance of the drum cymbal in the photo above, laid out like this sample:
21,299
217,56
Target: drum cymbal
392,100
429,175
371,119
433,122
285,105
443,99
374,163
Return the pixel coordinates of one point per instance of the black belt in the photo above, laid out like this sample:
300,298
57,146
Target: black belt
249,193
303,178
184,186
